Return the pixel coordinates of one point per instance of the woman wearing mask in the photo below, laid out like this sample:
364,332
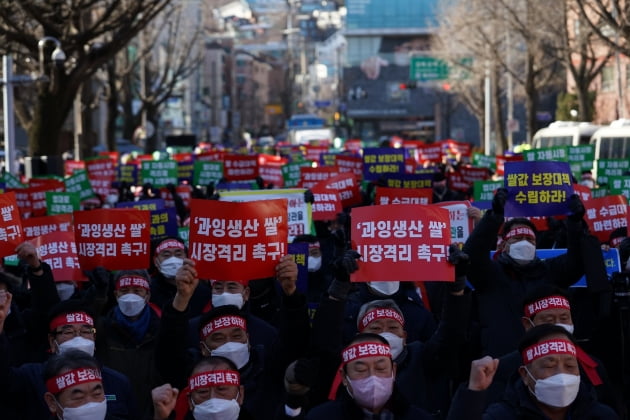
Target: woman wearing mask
214,392
168,257
130,333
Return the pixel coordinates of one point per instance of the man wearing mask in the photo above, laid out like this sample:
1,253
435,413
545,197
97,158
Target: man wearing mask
320,253
224,332
168,257
129,335
368,374
501,282
234,293
74,387
71,327
214,392
550,305
441,192
548,385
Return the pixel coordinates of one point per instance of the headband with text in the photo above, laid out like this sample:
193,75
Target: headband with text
363,350
380,313
71,318
519,231
550,302
72,378
214,378
132,281
169,243
548,348
228,321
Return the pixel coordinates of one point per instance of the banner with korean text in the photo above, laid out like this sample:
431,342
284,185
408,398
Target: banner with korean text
583,192
385,195
403,242
327,203
298,215
537,188
347,186
352,164
461,224
101,173
59,251
37,226
237,240
309,177
382,161
11,234
240,167
117,239
605,214
424,180
61,202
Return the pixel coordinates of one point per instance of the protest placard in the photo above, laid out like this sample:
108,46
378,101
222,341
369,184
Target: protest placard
11,234
385,195
605,214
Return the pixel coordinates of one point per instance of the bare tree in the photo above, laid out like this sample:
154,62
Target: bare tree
91,32
609,20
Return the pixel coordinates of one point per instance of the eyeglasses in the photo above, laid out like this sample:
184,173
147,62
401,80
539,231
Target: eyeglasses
69,332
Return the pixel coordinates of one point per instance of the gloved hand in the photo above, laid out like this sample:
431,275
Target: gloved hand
343,266
299,377
309,197
576,208
499,200
460,260
100,277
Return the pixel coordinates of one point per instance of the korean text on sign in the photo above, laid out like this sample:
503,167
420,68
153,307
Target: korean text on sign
237,240
10,224
114,238
403,242
537,188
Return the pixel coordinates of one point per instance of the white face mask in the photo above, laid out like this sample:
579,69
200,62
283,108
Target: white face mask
217,409
567,327
89,411
314,263
395,343
226,298
78,343
522,251
236,352
64,290
386,288
131,304
556,391
169,266
372,392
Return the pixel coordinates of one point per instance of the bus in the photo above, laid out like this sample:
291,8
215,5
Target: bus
308,129
564,133
612,141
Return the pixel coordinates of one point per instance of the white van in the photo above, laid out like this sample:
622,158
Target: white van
612,141
564,133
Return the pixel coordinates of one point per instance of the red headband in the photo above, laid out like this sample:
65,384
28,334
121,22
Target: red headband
519,231
380,313
363,350
547,348
550,302
616,241
72,378
72,318
214,378
169,243
222,322
132,281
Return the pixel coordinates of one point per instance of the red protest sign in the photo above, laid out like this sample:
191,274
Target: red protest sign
237,240
271,172
457,182
406,242
23,201
458,148
211,156
184,192
501,162
430,153
353,145
583,191
69,166
348,188
353,164
314,152
37,198
386,195
50,183
472,174
240,167
606,214
37,226
117,239
101,172
11,234
309,177
327,203
59,251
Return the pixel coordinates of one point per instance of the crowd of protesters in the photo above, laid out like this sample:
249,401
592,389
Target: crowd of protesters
162,343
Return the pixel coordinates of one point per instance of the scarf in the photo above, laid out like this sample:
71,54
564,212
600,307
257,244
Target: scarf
137,328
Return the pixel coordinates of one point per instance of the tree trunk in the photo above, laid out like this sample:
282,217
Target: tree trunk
531,101
49,115
499,120
584,112
112,105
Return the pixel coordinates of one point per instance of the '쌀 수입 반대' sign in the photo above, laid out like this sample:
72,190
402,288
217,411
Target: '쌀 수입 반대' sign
237,240
114,238
402,242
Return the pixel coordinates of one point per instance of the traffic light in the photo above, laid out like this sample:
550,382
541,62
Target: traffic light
408,85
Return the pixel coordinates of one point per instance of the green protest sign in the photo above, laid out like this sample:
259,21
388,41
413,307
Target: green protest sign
484,190
291,173
485,161
619,185
12,181
159,173
611,167
79,183
62,202
207,172
557,153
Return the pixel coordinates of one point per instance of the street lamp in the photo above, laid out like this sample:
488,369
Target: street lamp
8,80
